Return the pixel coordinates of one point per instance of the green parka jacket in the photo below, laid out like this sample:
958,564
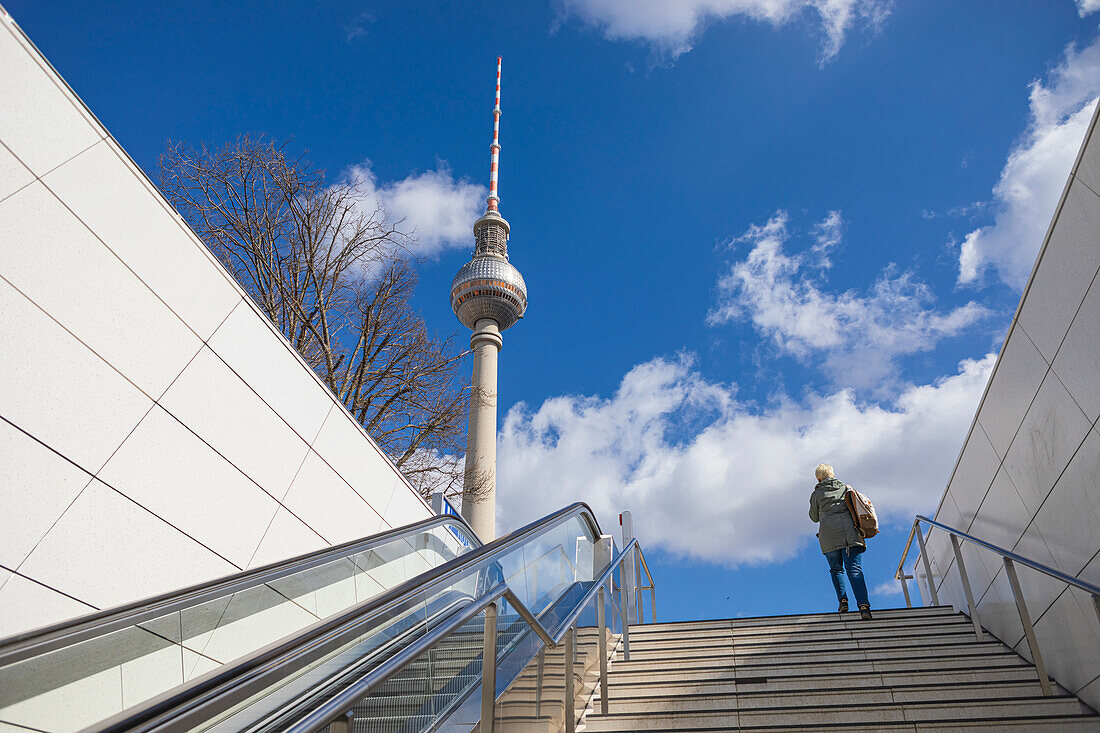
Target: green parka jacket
827,507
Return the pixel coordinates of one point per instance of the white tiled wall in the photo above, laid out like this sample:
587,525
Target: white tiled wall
1028,478
155,430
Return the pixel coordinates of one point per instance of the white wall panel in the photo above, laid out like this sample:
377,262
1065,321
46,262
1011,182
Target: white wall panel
343,447
57,390
106,550
998,518
26,605
325,502
38,485
970,482
287,537
56,262
1078,361
1069,263
1069,639
215,404
264,360
997,609
1018,374
41,124
1049,435
145,234
166,469
1041,589
13,174
405,507
1070,517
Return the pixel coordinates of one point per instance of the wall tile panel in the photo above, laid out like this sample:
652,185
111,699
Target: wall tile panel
1048,437
38,485
1069,264
999,519
287,537
266,363
325,502
218,407
56,262
978,465
1077,360
405,507
997,611
342,445
1069,519
84,419
13,174
145,234
26,605
1040,588
41,124
106,550
1020,371
1069,638
165,468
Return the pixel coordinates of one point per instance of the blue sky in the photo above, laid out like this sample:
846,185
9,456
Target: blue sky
757,234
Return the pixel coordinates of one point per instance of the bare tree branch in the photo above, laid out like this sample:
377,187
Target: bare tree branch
332,273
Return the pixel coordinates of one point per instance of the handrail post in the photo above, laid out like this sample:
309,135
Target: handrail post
344,724
966,588
570,695
623,615
927,565
601,608
539,676
905,589
489,670
1096,605
653,602
1029,630
638,580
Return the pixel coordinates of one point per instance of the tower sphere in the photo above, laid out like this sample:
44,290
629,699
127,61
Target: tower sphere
488,286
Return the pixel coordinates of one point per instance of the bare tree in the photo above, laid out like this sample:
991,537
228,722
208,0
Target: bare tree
332,272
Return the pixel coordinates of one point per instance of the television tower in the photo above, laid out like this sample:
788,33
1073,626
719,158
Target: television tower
488,295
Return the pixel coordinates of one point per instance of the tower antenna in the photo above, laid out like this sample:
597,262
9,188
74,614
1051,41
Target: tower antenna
493,199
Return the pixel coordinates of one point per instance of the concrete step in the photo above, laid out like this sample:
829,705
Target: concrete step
863,714
748,661
629,671
1045,724
682,650
618,686
898,618
742,701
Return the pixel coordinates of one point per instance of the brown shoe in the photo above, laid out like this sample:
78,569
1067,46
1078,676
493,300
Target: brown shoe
865,611
843,606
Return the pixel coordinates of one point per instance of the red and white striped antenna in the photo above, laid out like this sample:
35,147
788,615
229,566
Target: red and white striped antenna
493,199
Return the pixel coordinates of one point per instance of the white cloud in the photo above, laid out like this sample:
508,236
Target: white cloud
855,337
710,478
437,208
670,26
1035,173
887,589
1084,7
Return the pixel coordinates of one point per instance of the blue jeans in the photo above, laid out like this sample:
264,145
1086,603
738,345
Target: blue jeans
848,560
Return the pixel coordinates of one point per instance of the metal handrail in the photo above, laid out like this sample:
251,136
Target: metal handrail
1010,559
1082,584
217,690
48,638
333,709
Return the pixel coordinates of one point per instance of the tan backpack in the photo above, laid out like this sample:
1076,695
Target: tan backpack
863,513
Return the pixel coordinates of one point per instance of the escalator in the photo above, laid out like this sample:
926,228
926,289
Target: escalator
417,629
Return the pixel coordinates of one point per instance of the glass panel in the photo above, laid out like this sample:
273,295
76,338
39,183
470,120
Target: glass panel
83,683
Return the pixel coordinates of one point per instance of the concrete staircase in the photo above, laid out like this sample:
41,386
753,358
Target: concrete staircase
907,670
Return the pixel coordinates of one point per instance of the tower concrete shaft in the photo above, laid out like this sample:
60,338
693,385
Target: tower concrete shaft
479,481
488,295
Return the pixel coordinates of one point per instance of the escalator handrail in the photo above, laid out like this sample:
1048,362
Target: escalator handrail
346,699
216,691
66,633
